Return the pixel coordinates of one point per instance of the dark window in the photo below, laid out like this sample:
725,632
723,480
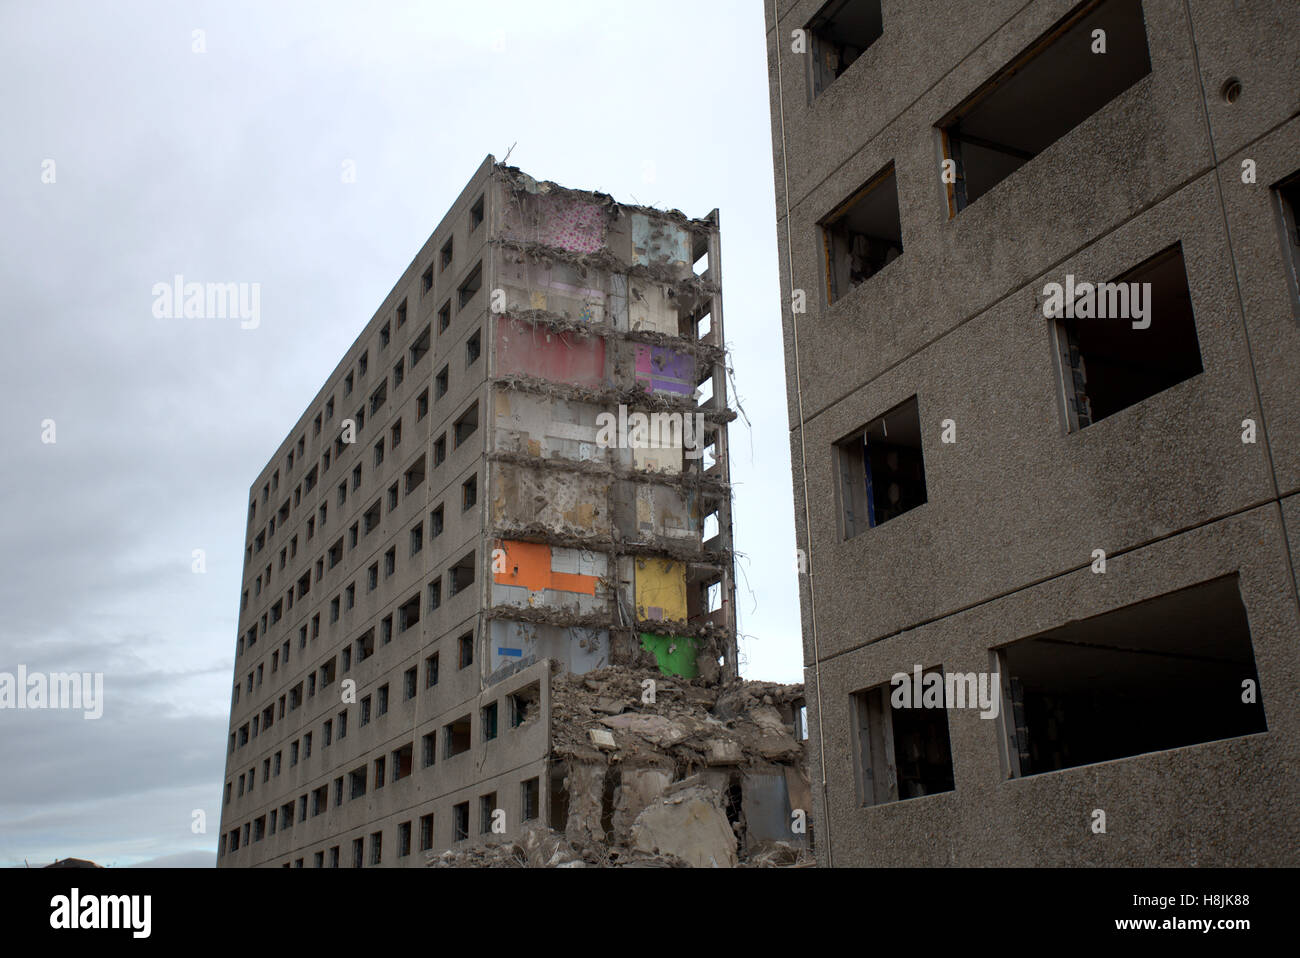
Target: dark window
466,425
1160,674
902,753
1042,94
456,737
530,794
409,614
524,704
403,760
461,575
473,283
414,476
419,349
863,235
1108,364
839,34
882,470
404,840
1287,194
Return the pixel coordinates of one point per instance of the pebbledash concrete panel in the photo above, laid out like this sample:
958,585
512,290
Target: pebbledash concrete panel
1030,522
447,527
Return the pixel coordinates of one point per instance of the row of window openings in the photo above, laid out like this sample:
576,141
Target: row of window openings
1103,366
522,705
464,427
1040,96
459,577
473,349
530,809
1096,690
418,349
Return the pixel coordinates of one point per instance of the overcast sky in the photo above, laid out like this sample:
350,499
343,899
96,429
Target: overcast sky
224,166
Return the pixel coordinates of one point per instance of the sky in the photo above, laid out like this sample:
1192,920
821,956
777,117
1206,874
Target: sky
135,148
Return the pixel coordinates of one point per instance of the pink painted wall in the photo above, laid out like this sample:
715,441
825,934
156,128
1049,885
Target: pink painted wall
528,350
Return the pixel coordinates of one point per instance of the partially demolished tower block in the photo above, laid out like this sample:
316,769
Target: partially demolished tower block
610,507
470,502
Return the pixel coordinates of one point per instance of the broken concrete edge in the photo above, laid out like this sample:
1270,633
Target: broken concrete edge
561,323
520,182
699,774
696,481
632,397
600,620
679,282
658,548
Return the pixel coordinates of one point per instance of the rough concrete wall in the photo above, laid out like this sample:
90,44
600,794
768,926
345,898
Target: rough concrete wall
660,369
549,427
657,512
593,309
660,590
516,645
650,309
559,288
524,349
536,576
658,242
573,504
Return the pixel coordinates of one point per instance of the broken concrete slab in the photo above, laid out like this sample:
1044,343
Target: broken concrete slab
689,824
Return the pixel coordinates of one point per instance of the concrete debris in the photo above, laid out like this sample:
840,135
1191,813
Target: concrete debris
688,757
689,824
662,772
540,847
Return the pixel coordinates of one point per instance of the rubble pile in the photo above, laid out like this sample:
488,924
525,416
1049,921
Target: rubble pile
664,772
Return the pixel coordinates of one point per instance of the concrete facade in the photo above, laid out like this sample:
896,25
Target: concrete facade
447,524
1002,548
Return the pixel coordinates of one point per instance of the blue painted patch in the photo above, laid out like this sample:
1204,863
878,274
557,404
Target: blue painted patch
515,653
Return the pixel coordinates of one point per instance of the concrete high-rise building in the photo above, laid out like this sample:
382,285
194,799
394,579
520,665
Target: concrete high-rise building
1039,269
520,465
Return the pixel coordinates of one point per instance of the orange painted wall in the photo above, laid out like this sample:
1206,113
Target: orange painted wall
528,564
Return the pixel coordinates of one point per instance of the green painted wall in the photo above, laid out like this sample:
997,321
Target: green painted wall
680,661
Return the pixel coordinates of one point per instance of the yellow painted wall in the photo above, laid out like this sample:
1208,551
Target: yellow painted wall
660,585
